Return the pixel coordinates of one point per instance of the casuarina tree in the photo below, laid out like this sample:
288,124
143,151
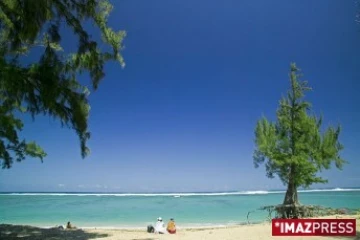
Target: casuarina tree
39,76
295,147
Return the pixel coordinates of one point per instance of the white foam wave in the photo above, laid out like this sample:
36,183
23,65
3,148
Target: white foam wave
332,190
179,194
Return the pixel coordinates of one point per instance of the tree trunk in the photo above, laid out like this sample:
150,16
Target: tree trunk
291,196
291,201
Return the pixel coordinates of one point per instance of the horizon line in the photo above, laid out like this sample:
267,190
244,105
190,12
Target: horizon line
183,192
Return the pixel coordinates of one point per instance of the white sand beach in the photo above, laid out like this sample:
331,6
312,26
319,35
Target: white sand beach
244,232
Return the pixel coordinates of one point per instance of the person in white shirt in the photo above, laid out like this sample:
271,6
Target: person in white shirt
160,226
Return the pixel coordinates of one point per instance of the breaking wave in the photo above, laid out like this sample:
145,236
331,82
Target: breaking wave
180,194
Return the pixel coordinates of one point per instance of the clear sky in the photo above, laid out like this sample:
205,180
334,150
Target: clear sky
199,74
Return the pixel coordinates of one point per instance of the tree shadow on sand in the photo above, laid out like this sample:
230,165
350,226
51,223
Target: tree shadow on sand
17,232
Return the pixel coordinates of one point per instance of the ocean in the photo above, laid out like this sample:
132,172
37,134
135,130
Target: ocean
126,210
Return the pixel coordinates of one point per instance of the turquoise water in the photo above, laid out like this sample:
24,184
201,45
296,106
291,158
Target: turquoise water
139,210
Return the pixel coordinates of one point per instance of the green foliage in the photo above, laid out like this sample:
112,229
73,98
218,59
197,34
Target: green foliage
50,86
294,148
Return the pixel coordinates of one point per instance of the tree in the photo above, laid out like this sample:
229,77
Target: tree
294,148
50,84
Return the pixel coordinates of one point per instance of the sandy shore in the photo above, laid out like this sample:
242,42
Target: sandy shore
256,231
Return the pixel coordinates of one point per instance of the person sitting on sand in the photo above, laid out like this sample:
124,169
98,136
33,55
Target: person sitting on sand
160,226
171,226
69,226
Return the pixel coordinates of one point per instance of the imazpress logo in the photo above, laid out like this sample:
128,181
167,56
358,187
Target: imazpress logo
314,227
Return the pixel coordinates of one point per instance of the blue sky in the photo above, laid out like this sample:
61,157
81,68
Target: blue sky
199,74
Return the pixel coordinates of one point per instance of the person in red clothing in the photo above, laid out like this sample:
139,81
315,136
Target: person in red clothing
171,226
